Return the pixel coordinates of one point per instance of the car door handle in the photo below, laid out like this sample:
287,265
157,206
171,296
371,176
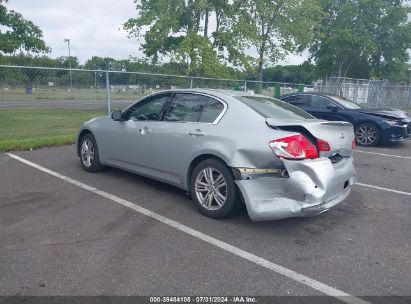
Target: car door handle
197,132
145,131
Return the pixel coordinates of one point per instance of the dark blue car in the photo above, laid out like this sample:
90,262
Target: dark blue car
372,126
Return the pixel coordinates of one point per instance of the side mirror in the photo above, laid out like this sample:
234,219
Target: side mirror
333,108
117,115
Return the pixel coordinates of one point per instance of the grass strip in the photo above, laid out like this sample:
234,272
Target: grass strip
31,128
35,143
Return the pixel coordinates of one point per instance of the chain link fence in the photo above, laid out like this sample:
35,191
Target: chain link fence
370,93
46,106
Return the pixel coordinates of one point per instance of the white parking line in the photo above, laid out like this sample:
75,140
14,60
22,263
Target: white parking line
383,154
328,290
384,189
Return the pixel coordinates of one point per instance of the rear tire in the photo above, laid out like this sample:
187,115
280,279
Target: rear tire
213,189
89,157
367,135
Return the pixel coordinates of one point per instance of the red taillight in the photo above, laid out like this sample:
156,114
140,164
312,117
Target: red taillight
354,144
294,147
323,146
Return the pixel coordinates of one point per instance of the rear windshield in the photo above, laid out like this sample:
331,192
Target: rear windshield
274,108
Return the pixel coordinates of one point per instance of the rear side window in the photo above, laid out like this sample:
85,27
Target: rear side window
274,108
194,108
212,110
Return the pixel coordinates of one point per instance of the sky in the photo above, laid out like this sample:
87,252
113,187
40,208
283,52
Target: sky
94,27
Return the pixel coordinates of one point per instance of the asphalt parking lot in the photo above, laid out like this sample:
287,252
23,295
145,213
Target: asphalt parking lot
62,235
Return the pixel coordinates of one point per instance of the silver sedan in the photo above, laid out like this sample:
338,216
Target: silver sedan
228,148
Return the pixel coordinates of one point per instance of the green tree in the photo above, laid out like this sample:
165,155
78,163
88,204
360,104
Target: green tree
28,60
67,62
303,73
362,38
105,63
26,76
277,28
179,30
108,64
18,33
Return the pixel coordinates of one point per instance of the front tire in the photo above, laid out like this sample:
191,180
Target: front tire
89,157
367,134
213,189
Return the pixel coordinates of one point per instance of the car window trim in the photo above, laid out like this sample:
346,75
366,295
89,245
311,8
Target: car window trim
216,121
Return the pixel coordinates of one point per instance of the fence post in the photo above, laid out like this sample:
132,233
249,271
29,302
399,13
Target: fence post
108,94
245,86
409,97
191,82
277,90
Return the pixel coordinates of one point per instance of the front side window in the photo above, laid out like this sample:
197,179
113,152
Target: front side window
274,108
194,108
148,109
297,100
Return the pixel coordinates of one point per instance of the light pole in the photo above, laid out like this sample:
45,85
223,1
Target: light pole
69,58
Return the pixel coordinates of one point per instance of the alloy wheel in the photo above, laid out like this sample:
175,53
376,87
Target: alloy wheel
211,188
87,152
366,135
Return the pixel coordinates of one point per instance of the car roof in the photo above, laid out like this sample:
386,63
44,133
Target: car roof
215,92
308,93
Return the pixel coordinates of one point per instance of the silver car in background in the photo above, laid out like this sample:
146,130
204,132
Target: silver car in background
225,147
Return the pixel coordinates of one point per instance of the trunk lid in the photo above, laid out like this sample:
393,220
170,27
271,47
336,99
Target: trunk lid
338,134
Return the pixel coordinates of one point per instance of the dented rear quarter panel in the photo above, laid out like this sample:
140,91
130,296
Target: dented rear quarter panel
241,139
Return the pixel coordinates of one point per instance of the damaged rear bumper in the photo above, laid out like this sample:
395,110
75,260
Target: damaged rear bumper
312,187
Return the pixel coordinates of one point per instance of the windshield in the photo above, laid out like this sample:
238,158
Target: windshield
346,103
274,108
